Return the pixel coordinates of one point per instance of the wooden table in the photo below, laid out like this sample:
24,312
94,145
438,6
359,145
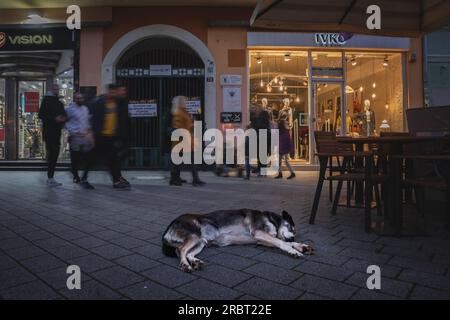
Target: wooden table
393,211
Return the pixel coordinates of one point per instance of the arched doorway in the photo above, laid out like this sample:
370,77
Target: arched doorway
155,70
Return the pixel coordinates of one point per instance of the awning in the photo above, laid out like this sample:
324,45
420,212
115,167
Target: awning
410,18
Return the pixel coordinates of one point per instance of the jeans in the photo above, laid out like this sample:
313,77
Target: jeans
81,160
175,170
52,147
109,148
286,160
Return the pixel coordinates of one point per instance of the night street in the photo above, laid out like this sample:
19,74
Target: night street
115,238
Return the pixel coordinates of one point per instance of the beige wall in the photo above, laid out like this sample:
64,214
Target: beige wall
91,55
220,40
414,75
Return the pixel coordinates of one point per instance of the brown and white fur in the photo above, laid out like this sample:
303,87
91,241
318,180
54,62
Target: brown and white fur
188,234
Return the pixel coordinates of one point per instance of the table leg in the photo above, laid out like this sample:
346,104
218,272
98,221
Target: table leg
359,186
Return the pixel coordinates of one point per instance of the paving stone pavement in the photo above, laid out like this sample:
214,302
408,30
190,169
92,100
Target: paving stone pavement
114,237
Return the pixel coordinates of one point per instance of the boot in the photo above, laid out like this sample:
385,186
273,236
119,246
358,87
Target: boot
292,176
279,176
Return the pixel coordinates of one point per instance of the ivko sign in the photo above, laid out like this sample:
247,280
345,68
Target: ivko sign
332,39
43,39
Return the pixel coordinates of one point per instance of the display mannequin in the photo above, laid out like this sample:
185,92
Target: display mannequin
286,112
367,118
264,103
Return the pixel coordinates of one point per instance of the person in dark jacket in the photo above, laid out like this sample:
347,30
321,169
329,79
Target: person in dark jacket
53,116
110,127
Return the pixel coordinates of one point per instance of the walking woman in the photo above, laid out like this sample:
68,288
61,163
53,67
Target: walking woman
285,147
182,120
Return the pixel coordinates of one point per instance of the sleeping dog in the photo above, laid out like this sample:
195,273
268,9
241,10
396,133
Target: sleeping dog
188,234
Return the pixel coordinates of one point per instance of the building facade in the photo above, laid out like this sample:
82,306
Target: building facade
226,69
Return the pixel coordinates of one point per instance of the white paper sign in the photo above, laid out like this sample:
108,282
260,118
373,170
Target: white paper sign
160,70
193,106
141,110
231,80
231,99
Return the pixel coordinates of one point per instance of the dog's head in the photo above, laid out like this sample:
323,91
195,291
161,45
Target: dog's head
286,229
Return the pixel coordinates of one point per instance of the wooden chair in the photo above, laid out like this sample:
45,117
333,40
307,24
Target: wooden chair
439,181
328,147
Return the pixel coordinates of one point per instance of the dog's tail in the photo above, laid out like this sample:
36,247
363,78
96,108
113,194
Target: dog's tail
167,249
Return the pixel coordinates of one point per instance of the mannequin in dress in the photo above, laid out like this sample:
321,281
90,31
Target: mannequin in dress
286,112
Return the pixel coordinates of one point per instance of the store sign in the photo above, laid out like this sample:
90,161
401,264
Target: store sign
332,39
39,39
160,70
231,117
31,101
193,106
142,110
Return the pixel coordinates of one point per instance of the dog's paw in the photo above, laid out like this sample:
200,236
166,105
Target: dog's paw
197,264
294,253
304,248
185,267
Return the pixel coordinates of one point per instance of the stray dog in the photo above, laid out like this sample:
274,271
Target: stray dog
188,234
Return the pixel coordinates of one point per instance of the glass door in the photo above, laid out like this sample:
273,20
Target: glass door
29,138
328,107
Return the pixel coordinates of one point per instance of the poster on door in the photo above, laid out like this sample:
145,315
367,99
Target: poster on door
193,106
143,110
231,99
31,101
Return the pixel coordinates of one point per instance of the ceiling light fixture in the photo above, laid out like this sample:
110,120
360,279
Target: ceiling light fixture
287,57
385,62
353,61
258,60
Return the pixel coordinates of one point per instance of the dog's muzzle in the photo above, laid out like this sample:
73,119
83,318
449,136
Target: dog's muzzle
290,239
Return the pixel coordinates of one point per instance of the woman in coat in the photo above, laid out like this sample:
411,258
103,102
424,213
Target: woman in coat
182,120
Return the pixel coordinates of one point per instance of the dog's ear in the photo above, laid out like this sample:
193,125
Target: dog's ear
286,216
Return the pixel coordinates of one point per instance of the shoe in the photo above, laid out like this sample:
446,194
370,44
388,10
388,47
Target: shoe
124,181
198,183
76,180
183,180
86,185
292,176
51,182
279,176
121,185
246,178
175,183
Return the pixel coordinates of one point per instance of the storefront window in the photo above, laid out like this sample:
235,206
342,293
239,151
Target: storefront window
30,131
374,83
279,85
2,118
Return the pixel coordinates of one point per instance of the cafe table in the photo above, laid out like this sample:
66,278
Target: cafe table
392,223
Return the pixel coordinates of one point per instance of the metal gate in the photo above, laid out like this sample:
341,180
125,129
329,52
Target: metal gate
182,74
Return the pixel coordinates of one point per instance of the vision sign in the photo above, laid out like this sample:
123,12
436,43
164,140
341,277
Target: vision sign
332,39
43,39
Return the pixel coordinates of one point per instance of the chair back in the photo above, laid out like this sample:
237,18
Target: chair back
327,143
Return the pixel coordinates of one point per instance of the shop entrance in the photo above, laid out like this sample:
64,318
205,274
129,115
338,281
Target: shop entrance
154,71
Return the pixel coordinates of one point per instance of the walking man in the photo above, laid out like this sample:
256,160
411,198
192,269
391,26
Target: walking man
53,116
81,139
110,126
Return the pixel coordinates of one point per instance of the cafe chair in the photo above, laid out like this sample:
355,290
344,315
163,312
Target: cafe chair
440,180
328,147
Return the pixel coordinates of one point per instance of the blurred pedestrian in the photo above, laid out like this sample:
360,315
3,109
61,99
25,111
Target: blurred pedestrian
285,147
81,139
53,116
110,127
182,120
